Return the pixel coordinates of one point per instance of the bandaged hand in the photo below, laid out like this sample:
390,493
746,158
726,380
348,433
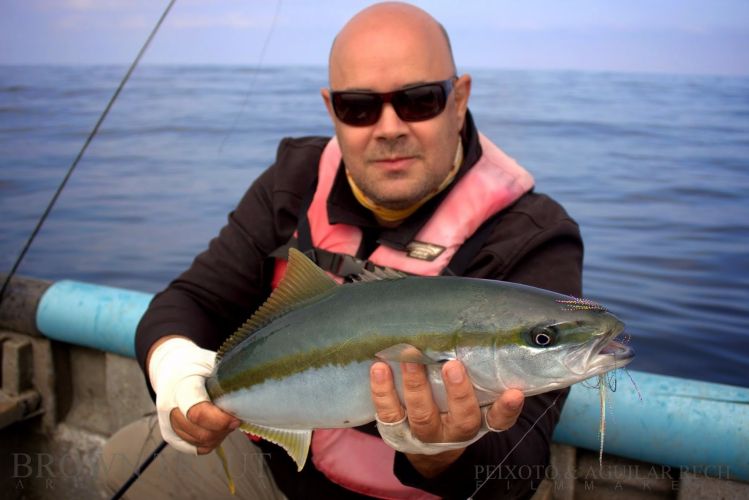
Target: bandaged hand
432,440
188,421
398,436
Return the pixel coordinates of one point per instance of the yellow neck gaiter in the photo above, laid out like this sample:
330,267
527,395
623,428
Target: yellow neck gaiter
389,216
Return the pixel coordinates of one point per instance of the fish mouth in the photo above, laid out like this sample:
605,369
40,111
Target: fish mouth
612,353
621,354
608,353
612,348
617,350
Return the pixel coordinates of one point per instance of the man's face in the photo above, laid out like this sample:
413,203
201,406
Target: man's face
394,162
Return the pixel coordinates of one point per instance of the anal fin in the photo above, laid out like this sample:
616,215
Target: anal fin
296,442
225,465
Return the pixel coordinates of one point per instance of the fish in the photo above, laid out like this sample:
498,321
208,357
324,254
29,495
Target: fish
302,361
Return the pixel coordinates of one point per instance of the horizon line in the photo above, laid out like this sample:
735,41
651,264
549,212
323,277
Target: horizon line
323,66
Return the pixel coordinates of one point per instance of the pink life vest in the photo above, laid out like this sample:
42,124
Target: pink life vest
355,460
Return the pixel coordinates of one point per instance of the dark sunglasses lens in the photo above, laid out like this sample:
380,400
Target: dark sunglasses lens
420,103
356,108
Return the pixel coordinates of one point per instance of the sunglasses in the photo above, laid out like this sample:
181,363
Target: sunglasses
411,104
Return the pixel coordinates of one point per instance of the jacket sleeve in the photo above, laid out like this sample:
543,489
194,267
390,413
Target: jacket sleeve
537,244
230,279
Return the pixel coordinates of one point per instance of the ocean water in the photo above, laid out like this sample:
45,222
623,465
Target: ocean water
655,168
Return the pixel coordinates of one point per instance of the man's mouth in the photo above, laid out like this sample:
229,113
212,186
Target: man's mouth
393,158
394,162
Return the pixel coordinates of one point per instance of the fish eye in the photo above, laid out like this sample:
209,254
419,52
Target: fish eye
543,336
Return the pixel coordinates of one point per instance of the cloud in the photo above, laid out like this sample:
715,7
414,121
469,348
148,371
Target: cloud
224,20
136,14
80,22
100,5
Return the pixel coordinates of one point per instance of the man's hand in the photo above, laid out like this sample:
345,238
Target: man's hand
205,426
177,369
461,422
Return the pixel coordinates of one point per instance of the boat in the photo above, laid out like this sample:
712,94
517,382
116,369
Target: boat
69,380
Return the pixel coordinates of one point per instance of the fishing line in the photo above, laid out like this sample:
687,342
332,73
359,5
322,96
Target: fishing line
553,403
251,88
637,389
83,149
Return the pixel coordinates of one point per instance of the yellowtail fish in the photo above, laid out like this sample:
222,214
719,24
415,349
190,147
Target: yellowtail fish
302,361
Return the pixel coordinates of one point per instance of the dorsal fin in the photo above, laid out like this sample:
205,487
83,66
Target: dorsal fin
303,280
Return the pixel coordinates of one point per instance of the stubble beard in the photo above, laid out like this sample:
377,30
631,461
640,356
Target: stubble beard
374,183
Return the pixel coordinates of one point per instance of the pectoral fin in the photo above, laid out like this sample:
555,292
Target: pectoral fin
295,442
405,353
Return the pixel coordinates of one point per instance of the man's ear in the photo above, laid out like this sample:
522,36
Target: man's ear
462,90
325,93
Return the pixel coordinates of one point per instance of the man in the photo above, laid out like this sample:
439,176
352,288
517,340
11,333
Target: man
406,149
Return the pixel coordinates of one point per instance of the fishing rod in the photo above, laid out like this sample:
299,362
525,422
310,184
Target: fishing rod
141,468
82,151
61,187
32,237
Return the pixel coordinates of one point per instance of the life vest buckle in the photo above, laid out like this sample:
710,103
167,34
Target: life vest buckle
345,265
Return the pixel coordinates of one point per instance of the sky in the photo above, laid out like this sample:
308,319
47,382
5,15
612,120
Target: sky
664,36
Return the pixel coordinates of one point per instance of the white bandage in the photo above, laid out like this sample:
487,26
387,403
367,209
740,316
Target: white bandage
399,437
177,370
485,420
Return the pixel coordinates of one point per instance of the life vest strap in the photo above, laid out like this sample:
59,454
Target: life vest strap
341,264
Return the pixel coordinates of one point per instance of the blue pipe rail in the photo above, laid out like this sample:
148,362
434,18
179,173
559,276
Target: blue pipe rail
688,425
685,424
100,317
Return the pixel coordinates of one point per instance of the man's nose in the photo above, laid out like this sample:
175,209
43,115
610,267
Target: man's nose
390,124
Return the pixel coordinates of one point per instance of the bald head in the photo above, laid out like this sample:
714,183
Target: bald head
397,162
388,34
